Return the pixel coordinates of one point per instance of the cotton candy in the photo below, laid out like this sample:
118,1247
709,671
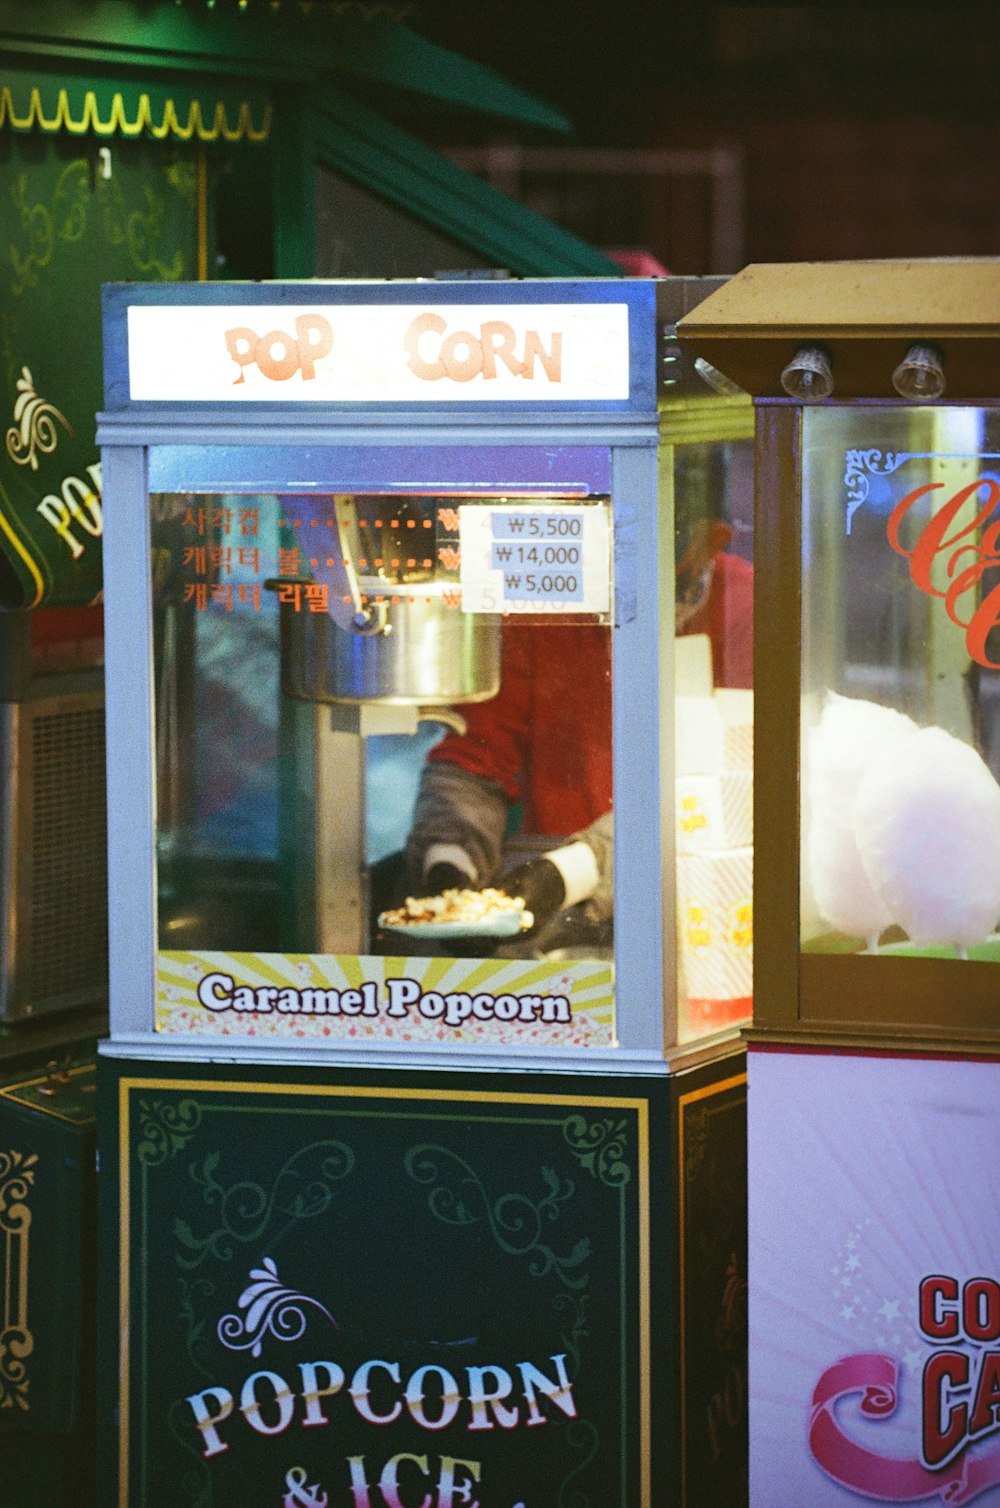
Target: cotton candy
850,735
927,825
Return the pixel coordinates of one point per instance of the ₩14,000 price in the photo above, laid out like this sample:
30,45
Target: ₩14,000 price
505,555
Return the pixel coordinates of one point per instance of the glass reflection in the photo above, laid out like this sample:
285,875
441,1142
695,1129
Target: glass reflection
900,739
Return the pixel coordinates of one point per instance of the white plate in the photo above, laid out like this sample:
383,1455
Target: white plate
504,924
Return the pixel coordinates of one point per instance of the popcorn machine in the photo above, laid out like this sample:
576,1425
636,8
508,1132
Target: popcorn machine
395,578
874,1319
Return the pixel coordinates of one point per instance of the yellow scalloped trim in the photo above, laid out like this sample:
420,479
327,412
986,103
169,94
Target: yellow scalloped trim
171,124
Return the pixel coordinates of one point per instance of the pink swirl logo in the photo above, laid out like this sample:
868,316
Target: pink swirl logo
872,1378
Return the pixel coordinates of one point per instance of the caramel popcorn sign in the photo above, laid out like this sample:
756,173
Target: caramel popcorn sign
379,353
307,998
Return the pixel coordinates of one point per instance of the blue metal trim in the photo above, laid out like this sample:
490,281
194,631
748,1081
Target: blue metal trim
431,468
637,294
161,428
131,772
637,753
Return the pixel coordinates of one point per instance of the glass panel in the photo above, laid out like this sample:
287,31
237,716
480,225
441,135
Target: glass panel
384,766
901,739
713,547
360,234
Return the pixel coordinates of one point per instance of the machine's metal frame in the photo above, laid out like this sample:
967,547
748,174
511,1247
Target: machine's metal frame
149,447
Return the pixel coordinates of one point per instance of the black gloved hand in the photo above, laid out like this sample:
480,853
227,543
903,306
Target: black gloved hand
441,877
542,888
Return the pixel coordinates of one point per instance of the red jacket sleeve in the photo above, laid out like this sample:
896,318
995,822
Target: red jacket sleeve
497,742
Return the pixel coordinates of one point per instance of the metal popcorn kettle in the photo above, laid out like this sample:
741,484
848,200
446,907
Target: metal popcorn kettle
380,618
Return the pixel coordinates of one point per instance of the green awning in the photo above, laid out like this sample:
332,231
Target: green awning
354,140
378,48
258,45
40,101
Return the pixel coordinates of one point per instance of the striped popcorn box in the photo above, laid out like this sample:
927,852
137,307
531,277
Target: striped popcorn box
736,710
715,924
714,811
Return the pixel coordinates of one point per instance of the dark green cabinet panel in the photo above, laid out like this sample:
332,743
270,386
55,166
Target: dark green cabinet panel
380,1290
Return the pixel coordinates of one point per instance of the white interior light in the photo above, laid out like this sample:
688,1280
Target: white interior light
920,375
808,376
716,380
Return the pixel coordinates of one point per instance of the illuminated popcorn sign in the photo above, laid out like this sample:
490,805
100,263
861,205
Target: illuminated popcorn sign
358,353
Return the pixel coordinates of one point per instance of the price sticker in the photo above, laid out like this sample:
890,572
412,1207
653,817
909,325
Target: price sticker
517,558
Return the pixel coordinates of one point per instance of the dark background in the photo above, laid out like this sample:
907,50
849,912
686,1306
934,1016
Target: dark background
838,130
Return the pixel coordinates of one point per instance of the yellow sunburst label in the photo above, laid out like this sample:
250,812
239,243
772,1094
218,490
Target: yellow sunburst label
310,997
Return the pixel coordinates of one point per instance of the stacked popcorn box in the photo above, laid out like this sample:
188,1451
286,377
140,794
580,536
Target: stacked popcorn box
714,796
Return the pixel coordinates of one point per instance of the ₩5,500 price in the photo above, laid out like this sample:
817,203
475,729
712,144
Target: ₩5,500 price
547,525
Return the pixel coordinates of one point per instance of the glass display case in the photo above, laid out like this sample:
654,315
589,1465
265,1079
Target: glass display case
385,684
707,485
878,571
402,682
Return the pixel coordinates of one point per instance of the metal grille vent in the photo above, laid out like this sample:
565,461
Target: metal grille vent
69,879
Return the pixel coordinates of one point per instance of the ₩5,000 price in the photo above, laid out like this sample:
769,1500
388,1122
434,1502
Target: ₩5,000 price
553,586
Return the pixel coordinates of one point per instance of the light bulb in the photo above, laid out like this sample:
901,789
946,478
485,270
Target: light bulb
808,376
716,380
920,375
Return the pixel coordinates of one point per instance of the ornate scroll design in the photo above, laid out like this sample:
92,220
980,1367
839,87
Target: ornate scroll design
34,427
582,1438
516,1221
39,232
17,1178
697,1122
193,1290
165,1129
859,465
731,1322
599,1147
573,1306
302,1189
143,235
271,1309
66,217
194,1483
43,225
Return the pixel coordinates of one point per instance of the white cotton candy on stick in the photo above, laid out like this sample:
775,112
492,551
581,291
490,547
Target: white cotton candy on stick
842,890
927,821
851,733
